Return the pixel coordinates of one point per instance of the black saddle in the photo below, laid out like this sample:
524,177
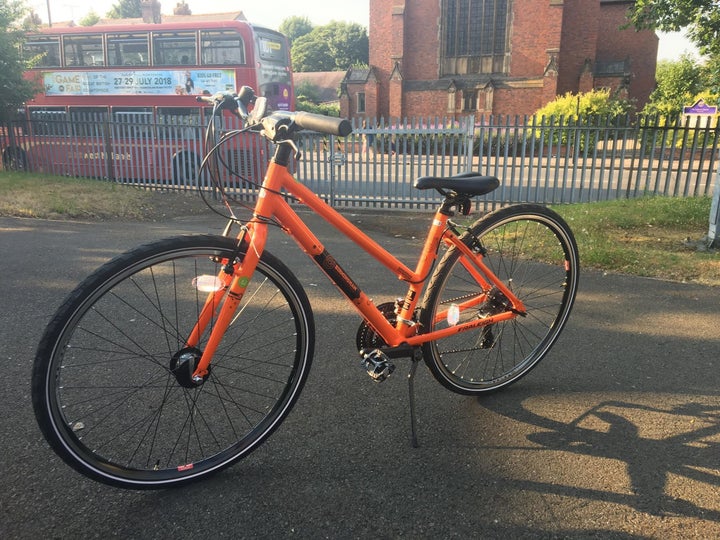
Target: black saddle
468,183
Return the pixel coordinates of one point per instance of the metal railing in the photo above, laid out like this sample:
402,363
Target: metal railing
549,160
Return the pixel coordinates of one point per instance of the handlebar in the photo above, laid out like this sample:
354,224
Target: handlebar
271,123
330,125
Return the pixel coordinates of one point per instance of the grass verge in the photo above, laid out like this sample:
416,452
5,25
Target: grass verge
658,237
655,237
31,195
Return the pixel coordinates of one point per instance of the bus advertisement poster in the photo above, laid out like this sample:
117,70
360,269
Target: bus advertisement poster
153,82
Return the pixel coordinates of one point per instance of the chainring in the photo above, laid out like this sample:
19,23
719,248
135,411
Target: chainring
366,337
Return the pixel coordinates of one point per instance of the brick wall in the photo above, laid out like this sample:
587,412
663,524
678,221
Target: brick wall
407,33
380,34
517,101
580,28
535,28
418,104
422,20
639,47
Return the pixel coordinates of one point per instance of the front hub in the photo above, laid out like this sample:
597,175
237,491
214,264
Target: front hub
183,365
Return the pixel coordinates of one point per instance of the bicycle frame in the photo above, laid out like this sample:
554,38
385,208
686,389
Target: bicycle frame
221,305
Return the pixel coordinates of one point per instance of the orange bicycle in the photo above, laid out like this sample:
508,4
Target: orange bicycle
180,357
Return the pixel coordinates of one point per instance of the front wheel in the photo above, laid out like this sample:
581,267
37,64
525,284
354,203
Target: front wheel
533,252
111,382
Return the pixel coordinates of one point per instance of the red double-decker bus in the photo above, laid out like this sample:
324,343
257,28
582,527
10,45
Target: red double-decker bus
119,100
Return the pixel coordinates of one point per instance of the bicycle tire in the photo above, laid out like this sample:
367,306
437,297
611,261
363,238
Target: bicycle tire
533,251
107,398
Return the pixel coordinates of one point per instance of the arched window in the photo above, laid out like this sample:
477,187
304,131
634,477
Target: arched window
475,36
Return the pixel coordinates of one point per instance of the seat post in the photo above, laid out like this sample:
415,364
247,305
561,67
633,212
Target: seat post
452,200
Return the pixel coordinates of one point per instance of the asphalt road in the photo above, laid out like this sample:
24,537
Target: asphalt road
616,434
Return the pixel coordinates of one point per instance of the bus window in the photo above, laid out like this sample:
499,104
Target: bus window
83,50
87,121
179,123
127,49
274,80
50,121
137,122
174,48
221,47
271,48
44,49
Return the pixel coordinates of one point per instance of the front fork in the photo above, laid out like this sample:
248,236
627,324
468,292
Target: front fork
222,304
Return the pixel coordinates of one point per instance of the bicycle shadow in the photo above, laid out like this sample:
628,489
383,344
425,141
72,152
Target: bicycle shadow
608,431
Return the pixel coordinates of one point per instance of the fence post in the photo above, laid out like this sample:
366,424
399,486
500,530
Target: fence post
107,147
336,159
713,240
469,141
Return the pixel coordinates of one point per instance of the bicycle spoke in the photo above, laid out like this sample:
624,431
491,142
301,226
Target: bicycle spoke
119,405
530,250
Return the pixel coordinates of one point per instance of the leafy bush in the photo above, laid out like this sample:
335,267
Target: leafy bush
446,144
593,103
677,82
657,130
595,110
512,141
323,108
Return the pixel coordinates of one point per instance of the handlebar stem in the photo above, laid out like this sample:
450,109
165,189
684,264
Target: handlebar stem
284,152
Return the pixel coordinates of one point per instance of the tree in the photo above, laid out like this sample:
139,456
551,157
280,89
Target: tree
90,19
677,84
32,20
125,9
700,18
182,9
307,98
15,89
348,43
295,27
311,54
307,91
333,47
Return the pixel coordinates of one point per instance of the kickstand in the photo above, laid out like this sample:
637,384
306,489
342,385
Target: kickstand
411,388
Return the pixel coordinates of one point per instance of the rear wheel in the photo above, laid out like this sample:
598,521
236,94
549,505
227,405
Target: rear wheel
14,159
533,252
111,384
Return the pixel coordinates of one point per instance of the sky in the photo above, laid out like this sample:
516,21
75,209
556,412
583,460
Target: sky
673,45
271,13
268,13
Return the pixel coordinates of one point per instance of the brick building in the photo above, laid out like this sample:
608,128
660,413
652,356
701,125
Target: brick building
459,57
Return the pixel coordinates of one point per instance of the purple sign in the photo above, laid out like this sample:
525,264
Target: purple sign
700,107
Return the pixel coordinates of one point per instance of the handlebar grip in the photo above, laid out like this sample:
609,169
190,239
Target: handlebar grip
324,124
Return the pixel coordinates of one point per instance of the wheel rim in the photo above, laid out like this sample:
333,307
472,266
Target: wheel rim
532,256
118,408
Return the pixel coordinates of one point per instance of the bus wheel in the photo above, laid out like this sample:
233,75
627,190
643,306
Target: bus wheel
14,159
185,169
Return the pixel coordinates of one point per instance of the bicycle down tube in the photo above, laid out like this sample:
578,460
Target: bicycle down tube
271,205
181,356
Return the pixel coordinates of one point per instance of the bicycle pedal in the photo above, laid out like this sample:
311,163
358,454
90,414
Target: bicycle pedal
377,364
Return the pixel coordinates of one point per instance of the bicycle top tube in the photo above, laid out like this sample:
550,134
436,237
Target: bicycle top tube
271,206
